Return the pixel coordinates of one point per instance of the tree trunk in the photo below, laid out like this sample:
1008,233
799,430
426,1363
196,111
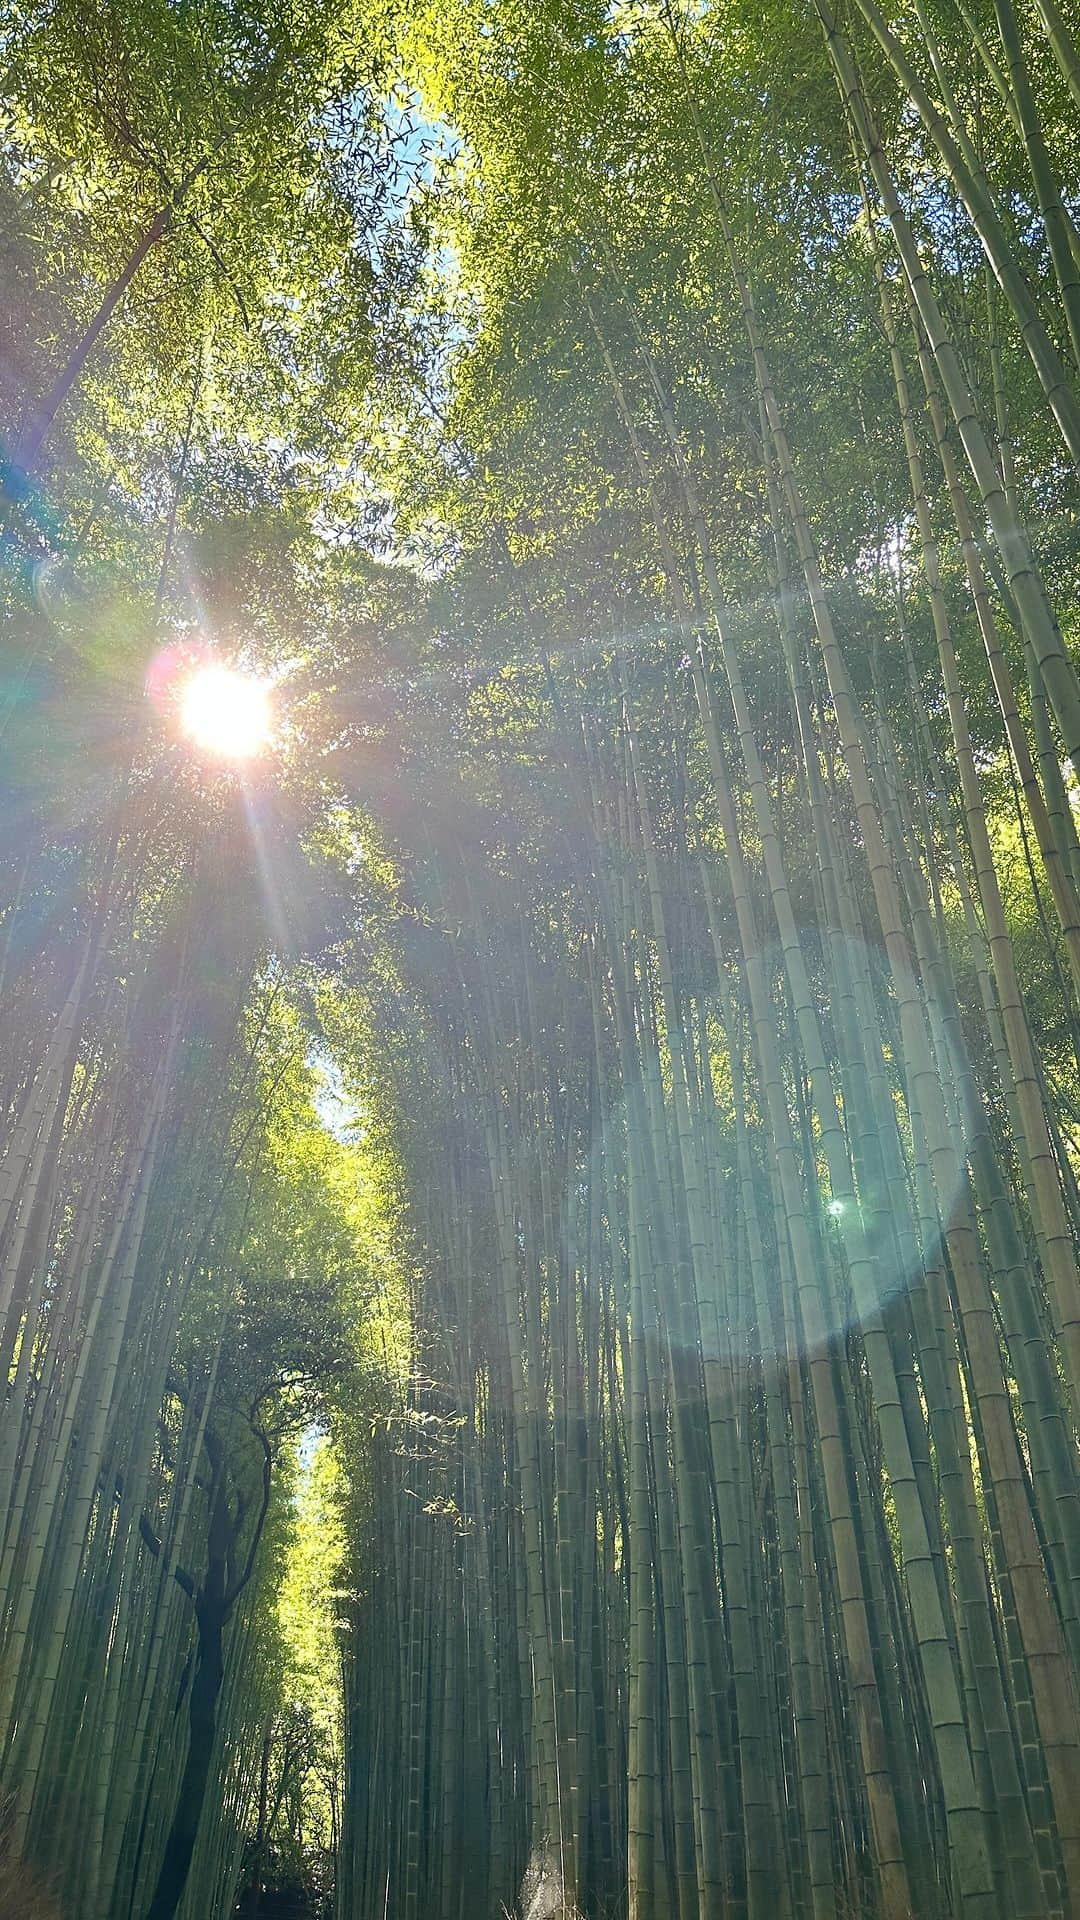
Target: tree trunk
202,1734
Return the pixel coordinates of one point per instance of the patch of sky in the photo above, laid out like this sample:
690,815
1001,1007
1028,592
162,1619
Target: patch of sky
306,1448
339,1112
388,157
843,211
938,206
887,551
391,156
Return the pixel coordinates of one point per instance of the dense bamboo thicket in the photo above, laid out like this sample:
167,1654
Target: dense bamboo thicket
169,1316
726,1558
539,1217
183,1278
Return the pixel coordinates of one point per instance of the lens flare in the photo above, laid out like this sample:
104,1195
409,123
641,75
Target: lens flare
226,713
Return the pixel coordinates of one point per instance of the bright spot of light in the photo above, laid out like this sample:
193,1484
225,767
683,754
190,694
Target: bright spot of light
226,713
835,1209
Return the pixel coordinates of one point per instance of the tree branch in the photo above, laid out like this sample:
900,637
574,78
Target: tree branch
180,1574
237,1587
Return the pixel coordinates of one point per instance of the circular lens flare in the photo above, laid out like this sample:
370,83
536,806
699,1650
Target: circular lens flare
226,713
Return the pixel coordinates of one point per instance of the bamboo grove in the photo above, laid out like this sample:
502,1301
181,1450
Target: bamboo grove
575,1157
183,1280
744,1422
167,1320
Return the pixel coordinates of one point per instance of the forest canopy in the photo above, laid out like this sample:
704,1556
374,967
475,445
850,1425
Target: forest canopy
540,960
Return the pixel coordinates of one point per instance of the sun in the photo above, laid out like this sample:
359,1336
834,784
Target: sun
226,713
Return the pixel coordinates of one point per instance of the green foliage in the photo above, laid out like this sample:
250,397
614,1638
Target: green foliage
409,1115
